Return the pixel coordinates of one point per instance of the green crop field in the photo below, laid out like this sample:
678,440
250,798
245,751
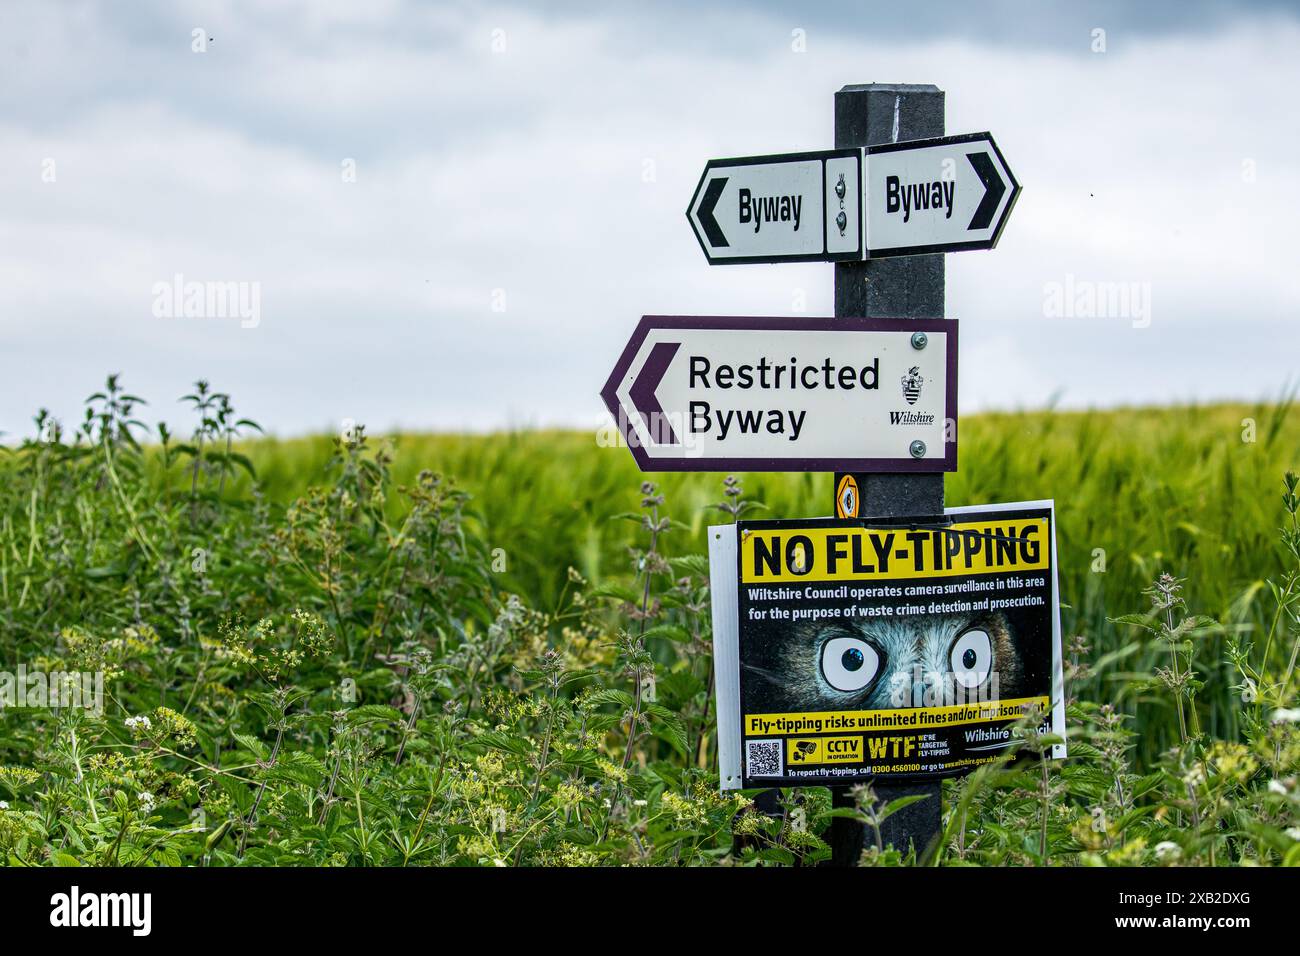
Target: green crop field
427,649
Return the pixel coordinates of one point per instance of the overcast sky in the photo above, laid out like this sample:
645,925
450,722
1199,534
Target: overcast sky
521,173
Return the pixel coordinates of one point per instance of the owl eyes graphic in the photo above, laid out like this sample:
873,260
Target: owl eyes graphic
897,661
972,658
850,665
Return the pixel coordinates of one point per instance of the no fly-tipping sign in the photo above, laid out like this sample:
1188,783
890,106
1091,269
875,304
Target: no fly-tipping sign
783,394
921,196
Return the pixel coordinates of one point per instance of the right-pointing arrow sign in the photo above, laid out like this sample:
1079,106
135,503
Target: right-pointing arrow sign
936,195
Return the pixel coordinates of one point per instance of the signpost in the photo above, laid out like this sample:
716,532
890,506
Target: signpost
942,194
779,394
911,286
870,394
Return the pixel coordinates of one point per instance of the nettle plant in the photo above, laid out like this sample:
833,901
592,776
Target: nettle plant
341,679
1213,798
320,683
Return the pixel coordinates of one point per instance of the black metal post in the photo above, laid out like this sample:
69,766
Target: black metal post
904,287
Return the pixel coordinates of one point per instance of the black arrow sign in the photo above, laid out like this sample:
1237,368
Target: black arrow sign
900,222
779,208
994,187
643,396
707,222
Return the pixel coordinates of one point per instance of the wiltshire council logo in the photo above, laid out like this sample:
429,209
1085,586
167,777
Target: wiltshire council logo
912,383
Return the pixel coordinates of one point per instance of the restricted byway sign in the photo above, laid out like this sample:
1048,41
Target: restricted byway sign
936,195
795,207
694,393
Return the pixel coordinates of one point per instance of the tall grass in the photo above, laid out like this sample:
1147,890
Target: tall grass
350,659
1138,492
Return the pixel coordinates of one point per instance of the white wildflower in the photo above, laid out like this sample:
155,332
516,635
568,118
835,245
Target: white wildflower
1168,850
142,722
1277,786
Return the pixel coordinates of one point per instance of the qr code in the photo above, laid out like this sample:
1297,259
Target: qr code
764,759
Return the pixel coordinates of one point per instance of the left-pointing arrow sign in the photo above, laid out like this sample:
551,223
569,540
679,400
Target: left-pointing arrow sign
794,207
780,394
642,393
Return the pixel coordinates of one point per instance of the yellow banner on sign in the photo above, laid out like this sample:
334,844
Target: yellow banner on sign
904,718
788,554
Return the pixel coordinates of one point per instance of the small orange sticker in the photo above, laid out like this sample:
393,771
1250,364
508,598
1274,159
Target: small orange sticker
846,498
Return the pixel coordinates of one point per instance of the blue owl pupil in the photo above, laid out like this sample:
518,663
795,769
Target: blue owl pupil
852,659
968,659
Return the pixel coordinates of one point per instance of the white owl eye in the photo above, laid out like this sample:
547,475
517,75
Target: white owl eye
849,664
972,658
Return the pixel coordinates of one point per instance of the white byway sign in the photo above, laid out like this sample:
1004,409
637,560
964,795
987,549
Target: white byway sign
920,196
782,394
796,207
938,195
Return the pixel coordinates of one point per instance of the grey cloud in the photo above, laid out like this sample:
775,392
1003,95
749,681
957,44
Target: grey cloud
526,172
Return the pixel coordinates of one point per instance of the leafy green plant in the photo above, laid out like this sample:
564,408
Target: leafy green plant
380,666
